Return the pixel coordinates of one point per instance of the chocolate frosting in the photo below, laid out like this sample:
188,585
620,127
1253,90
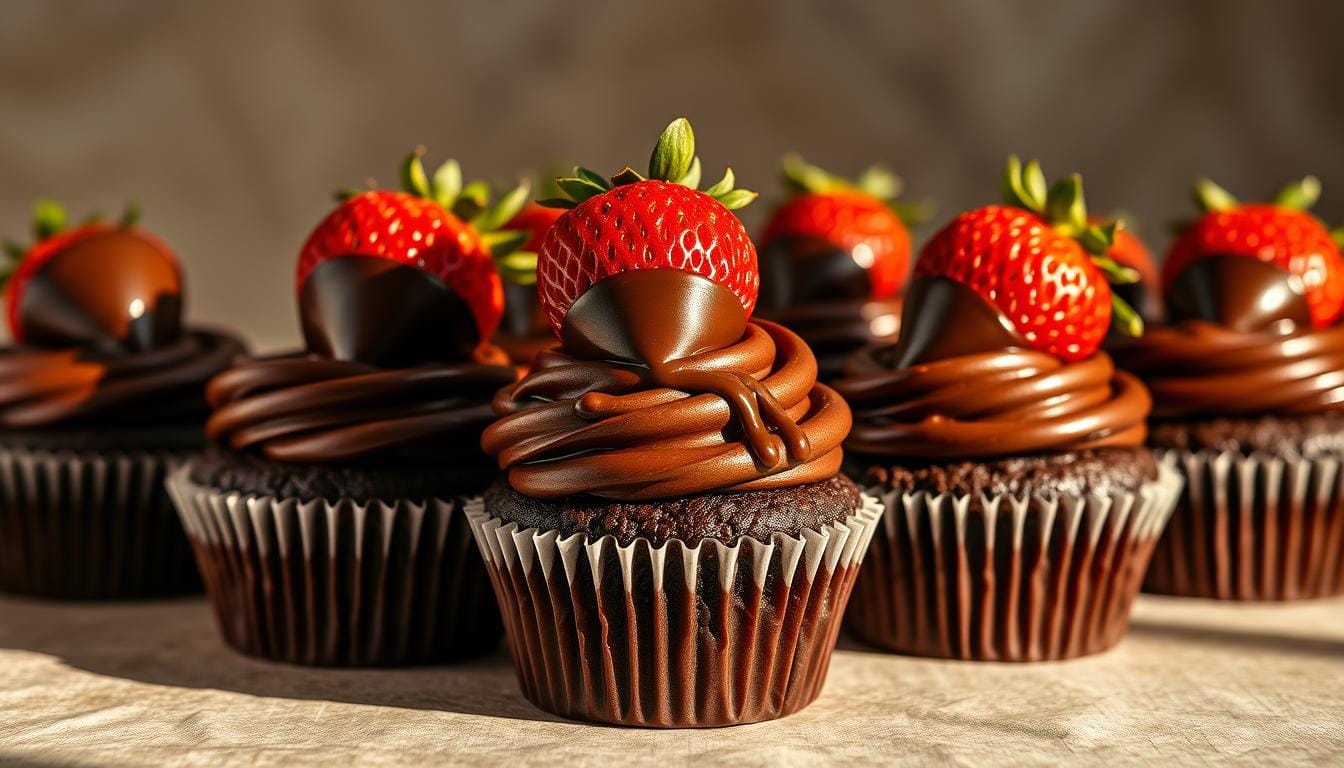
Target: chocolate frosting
303,408
1241,344
663,389
962,384
80,386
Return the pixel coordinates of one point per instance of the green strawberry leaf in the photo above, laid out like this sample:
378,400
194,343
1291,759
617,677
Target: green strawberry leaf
723,186
1115,272
446,185
1024,187
13,251
737,198
580,189
131,216
912,214
692,176
1123,317
495,216
1065,207
675,151
880,183
1337,234
504,241
593,176
556,202
413,178
1300,195
518,267
473,199
803,177
1211,197
627,175
49,218
1098,238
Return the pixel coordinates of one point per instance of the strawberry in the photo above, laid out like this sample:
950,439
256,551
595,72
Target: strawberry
54,237
633,223
535,219
437,225
1281,233
1039,262
859,217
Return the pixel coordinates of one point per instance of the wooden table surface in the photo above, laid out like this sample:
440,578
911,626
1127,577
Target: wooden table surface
1194,682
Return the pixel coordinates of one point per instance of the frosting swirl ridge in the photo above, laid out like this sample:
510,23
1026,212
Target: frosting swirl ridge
999,403
303,408
1200,368
41,387
582,426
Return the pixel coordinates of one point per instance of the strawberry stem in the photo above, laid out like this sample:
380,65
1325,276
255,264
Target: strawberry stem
875,181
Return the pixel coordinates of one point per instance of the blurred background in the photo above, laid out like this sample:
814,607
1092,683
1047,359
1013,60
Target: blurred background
232,123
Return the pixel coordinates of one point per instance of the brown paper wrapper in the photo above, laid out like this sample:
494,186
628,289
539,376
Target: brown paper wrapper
674,636
1255,527
91,526
340,584
1007,578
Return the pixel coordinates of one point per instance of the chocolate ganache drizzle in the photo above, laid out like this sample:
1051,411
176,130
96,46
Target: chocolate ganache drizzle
662,388
962,384
394,371
1241,343
103,340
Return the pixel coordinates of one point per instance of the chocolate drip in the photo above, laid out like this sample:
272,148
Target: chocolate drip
661,319
1243,294
376,311
114,292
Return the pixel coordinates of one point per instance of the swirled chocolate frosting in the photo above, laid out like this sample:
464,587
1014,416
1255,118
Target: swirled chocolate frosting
304,408
961,384
74,386
662,389
1241,344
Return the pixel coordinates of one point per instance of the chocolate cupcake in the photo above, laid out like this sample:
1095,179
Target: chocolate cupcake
328,521
1248,390
101,393
834,258
672,545
1023,506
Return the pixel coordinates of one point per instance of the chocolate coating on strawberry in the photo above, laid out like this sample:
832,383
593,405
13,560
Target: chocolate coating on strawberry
111,287
400,278
1253,266
1039,262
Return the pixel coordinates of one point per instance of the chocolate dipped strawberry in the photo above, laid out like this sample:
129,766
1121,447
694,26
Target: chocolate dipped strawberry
834,257
107,285
396,277
1252,265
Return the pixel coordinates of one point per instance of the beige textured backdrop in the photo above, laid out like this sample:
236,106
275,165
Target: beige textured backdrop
231,122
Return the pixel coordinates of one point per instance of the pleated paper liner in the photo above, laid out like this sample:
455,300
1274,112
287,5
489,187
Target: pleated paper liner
91,525
1255,527
673,636
340,584
1007,578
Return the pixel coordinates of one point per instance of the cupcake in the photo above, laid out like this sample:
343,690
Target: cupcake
833,260
101,394
327,519
672,544
1248,391
524,330
1023,505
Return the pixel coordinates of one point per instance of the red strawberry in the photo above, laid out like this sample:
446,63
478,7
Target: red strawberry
422,227
1282,233
1034,260
535,219
53,239
848,215
635,223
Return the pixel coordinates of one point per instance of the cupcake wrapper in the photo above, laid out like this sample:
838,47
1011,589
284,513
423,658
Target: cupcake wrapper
674,636
343,583
1255,527
91,525
1008,578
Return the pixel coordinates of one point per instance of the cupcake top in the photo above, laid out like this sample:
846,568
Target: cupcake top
834,257
662,385
398,296
1253,295
95,311
999,348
